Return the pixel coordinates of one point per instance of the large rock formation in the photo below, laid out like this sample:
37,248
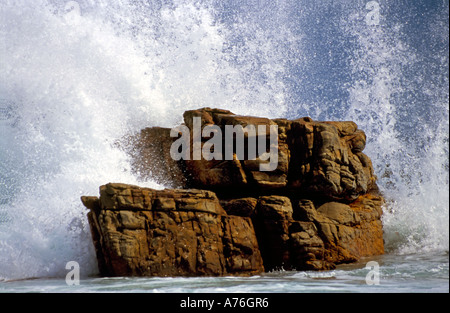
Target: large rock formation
146,232
317,208
297,234
316,159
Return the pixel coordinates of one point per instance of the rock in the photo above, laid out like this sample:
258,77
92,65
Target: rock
145,232
349,232
150,157
275,208
317,208
222,175
327,162
295,235
272,221
240,207
316,159
287,243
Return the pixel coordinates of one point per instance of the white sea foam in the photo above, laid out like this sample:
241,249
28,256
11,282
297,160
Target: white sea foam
407,128
77,77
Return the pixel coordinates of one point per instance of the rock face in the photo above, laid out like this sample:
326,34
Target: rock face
317,159
297,235
318,208
146,232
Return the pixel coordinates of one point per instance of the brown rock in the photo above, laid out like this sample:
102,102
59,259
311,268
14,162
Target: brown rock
241,207
239,246
318,159
327,162
287,243
208,116
317,209
226,174
146,232
302,237
307,247
275,208
272,221
349,232
222,175
150,157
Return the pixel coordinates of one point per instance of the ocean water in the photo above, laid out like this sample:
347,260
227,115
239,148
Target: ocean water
78,76
398,274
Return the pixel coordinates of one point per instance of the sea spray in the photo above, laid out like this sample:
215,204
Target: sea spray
77,76
77,79
406,123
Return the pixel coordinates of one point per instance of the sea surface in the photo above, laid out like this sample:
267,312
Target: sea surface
77,77
397,274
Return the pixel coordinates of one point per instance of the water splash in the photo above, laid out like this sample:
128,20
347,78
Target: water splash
79,75
399,96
